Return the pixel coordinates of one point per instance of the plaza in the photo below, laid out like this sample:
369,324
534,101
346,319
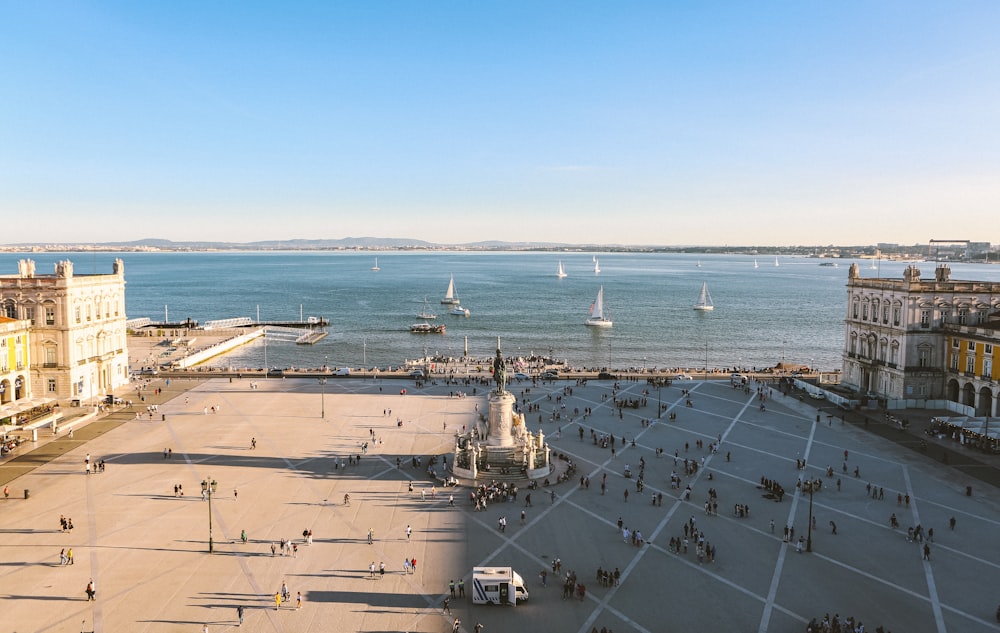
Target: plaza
146,547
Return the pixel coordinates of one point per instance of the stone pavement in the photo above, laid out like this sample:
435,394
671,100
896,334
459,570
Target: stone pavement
146,548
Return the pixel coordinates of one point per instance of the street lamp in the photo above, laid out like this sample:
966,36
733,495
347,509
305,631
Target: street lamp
322,398
364,355
208,488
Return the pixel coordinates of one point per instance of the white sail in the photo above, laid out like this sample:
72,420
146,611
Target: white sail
755,262
705,300
375,267
699,263
776,264
561,273
597,266
450,297
597,318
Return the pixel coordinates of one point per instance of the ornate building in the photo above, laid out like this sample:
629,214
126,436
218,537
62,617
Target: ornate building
78,344
901,337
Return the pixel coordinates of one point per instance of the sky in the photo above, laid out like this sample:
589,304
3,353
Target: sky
584,122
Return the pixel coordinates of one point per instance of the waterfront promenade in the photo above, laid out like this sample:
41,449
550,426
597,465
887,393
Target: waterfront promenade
146,548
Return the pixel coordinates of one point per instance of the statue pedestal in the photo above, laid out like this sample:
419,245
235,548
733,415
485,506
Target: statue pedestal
501,419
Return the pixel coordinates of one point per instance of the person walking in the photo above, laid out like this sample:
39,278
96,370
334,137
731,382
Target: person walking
927,551
461,587
456,626
408,532
239,614
69,556
447,605
277,600
91,591
479,625
298,599
451,588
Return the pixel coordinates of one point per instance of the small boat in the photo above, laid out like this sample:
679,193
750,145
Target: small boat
597,267
705,300
776,264
375,267
426,312
561,273
831,264
427,328
755,263
458,310
450,297
597,318
698,265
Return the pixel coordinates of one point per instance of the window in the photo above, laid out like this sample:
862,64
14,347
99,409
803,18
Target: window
885,314
854,345
895,315
980,317
972,346
89,314
970,364
962,316
987,368
924,358
50,315
855,309
77,313
52,385
987,348
954,343
864,312
29,314
50,357
925,318
954,361
10,310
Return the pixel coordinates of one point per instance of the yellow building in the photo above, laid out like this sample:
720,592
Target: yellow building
15,361
974,366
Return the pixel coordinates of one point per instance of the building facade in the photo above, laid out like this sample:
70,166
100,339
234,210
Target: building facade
15,359
900,337
78,343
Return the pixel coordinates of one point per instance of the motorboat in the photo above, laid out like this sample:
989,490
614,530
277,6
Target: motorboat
427,328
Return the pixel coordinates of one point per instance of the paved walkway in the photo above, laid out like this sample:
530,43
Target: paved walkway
146,549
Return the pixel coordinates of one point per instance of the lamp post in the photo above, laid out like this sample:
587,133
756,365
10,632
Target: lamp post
322,398
808,487
208,487
364,355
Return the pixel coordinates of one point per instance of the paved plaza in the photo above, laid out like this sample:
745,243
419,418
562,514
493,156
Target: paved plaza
146,548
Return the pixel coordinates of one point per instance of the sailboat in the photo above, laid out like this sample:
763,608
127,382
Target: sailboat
561,273
450,297
705,300
426,312
755,262
597,267
597,318
776,264
699,264
375,267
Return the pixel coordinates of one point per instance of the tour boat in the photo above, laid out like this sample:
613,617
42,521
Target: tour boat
597,318
426,328
705,300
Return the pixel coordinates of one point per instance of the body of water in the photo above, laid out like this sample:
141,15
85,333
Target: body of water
763,315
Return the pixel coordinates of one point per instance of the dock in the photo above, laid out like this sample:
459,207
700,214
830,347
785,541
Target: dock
311,338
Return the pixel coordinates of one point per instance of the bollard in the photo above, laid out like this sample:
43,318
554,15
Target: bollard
968,491
163,417
27,493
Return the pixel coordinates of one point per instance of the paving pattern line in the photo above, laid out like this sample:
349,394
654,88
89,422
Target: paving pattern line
779,565
928,570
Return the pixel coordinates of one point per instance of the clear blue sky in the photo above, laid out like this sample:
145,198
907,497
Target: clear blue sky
751,123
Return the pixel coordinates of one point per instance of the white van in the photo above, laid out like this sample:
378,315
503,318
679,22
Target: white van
738,380
497,585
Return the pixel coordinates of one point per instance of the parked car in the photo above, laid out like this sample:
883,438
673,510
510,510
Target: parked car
550,374
417,373
520,375
275,373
